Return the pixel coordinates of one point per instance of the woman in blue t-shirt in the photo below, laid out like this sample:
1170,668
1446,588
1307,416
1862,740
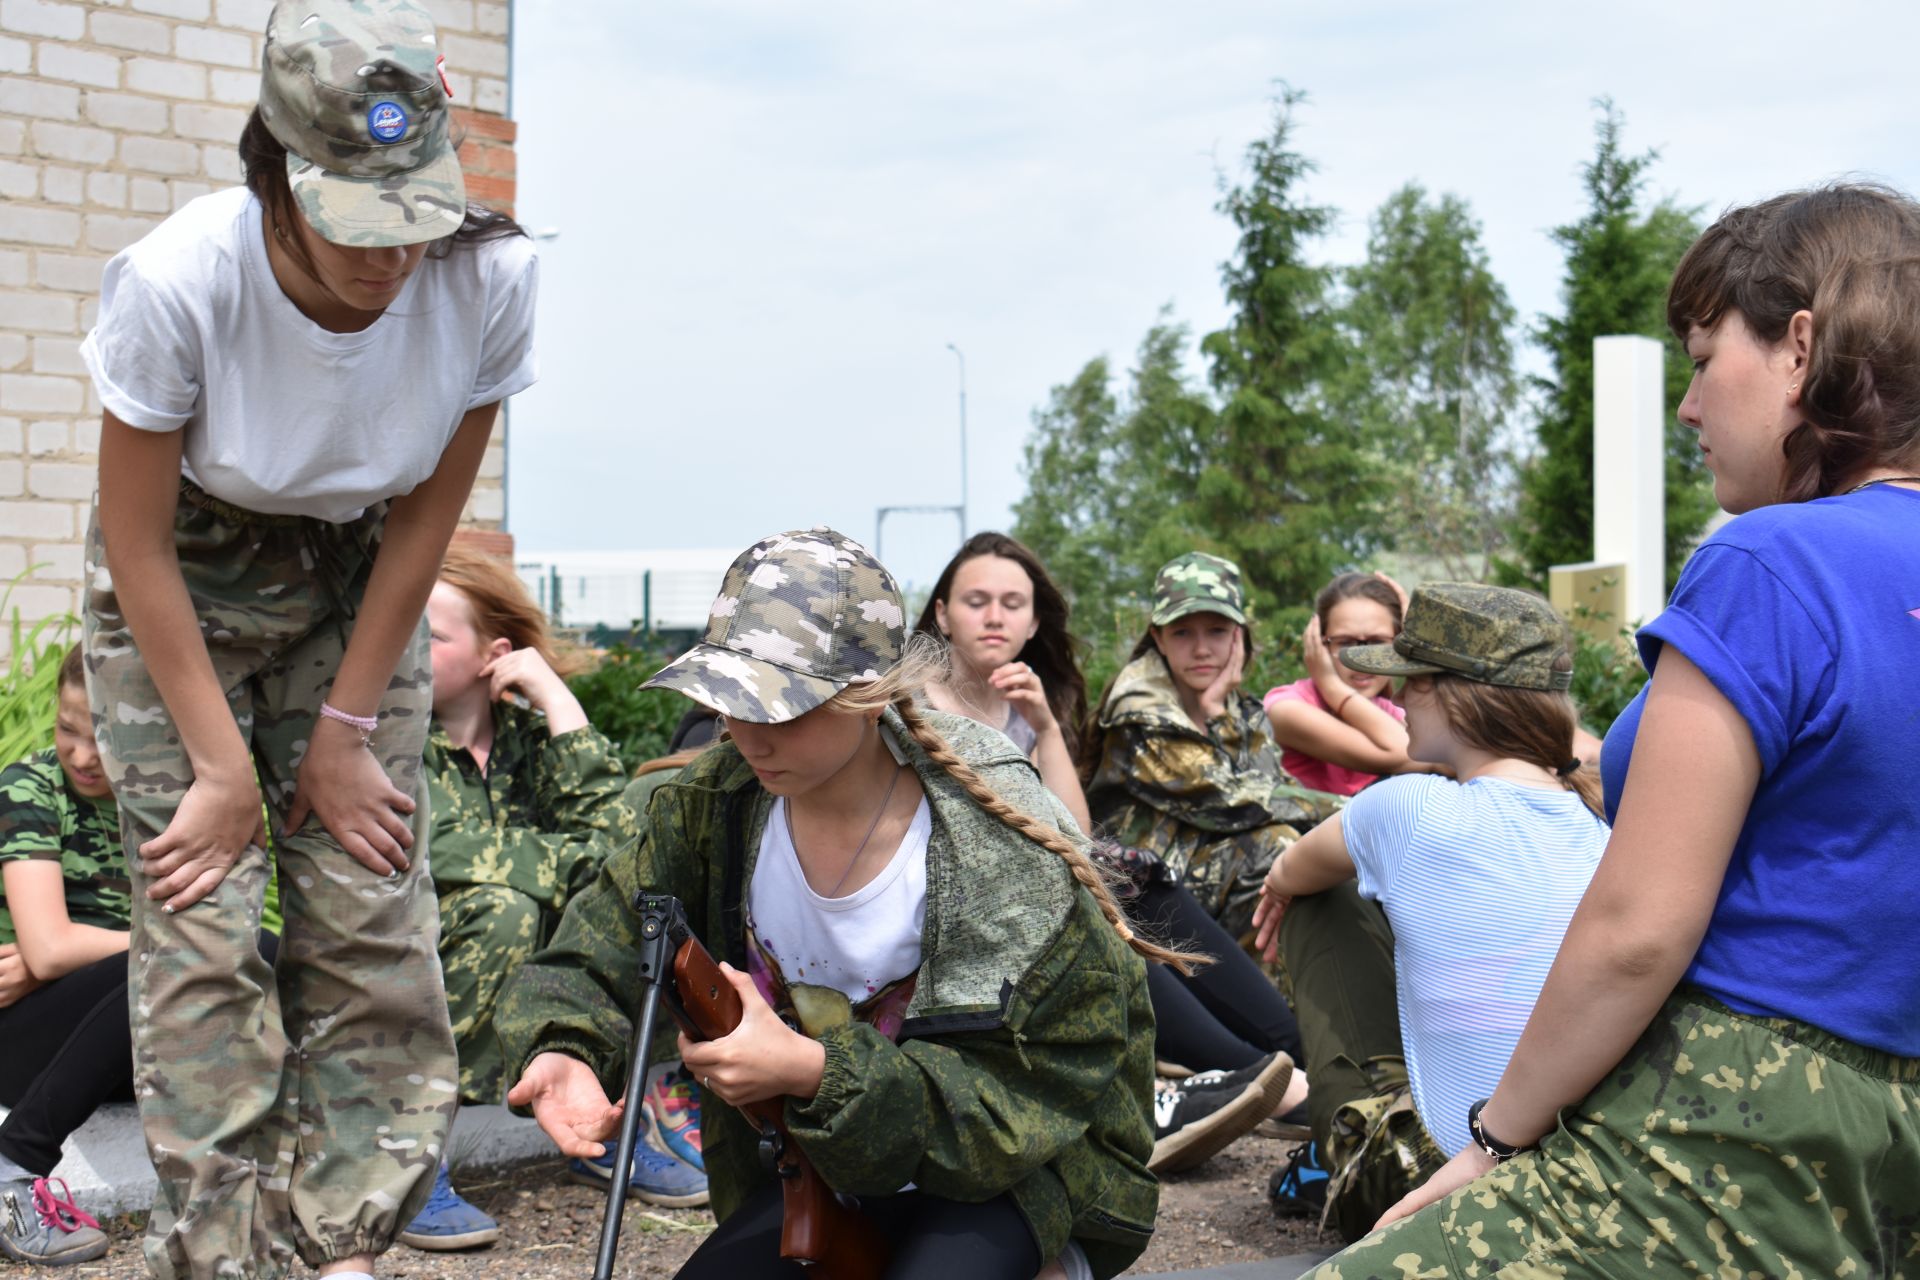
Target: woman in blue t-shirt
1722,1066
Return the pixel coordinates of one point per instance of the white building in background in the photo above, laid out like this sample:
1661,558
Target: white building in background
642,591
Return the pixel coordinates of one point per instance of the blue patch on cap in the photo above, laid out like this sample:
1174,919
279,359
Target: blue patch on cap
387,122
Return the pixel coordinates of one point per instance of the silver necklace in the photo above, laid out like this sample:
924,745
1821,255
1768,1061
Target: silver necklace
1882,480
787,812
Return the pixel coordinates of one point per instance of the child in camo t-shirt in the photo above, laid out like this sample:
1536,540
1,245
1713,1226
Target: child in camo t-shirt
63,975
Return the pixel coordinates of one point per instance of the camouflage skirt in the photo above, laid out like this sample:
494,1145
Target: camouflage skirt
299,1109
1723,1145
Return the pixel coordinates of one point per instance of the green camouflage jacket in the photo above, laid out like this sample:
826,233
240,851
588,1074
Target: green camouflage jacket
543,818
1025,1063
1162,783
41,817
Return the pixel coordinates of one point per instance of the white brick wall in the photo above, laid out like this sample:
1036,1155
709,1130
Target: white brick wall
114,113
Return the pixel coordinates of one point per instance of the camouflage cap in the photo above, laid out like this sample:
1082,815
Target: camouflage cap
1491,634
800,616
353,90
1198,583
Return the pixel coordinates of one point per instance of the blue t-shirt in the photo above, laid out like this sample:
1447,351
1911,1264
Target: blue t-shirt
1478,881
1806,617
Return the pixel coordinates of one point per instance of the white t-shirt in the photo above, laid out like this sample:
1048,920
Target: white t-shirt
856,944
1478,881
281,415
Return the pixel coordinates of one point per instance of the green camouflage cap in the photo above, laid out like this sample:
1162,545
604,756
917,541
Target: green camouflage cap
354,91
800,616
1491,634
1198,583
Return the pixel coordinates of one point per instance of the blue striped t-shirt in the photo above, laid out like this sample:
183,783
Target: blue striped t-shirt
1478,880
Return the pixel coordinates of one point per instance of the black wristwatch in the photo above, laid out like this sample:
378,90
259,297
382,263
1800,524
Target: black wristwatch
1500,1151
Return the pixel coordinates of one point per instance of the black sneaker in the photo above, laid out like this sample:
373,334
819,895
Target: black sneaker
1199,1116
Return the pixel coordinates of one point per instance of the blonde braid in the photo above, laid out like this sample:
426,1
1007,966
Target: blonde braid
938,750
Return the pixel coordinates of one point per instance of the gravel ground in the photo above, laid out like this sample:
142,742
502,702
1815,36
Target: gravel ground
550,1229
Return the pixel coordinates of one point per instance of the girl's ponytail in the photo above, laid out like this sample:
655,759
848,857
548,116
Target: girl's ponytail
1521,724
1041,833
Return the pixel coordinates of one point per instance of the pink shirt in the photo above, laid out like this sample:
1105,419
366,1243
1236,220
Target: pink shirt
1316,773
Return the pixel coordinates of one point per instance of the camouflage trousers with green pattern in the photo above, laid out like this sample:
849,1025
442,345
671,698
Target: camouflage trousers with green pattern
487,931
1723,1145
300,1109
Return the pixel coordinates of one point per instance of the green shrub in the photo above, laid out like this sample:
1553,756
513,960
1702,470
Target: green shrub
1607,674
639,722
30,689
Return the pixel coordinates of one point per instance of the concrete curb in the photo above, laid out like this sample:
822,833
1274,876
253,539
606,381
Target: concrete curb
105,1160
1287,1268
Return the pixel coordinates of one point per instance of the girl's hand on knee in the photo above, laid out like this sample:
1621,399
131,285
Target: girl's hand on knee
1456,1173
16,980
1266,923
763,1057
216,821
341,783
569,1104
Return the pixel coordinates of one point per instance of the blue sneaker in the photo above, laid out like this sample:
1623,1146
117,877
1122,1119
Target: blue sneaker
657,1178
448,1222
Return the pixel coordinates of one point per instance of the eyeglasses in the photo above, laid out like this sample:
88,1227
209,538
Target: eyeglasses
1349,642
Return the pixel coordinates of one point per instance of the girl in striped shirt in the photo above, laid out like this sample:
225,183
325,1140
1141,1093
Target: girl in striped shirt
1476,875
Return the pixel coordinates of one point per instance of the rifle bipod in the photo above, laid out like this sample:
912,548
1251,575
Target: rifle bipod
657,911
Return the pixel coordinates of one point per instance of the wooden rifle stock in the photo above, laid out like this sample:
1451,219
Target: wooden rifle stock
816,1228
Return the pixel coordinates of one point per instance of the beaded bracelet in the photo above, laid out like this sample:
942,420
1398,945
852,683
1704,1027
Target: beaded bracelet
365,724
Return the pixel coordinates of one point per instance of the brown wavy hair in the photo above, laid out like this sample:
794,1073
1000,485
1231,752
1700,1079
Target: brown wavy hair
1053,653
1520,724
502,608
1849,254
73,669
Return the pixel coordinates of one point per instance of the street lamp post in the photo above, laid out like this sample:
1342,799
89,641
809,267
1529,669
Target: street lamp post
963,438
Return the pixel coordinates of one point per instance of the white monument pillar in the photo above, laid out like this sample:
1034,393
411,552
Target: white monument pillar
1629,469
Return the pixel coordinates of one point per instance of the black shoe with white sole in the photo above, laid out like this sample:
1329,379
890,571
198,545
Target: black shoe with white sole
1199,1116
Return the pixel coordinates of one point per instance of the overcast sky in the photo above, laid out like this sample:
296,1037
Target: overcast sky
774,217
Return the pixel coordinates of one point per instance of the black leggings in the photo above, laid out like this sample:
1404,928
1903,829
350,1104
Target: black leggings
1228,1015
68,1049
933,1239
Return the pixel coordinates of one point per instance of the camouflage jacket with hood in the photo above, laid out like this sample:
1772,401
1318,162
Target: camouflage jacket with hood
1165,784
541,820
1025,1063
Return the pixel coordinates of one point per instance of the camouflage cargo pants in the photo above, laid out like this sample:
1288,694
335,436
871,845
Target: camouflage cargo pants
300,1108
1337,951
1723,1145
487,931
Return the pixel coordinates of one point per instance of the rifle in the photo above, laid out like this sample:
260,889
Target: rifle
818,1228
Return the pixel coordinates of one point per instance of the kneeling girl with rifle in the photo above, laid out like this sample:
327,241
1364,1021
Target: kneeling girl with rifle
935,984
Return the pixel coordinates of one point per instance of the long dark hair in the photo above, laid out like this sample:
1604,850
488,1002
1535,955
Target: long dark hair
1850,254
263,158
1053,653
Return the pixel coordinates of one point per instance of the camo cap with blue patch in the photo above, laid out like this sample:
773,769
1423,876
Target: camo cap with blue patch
1198,583
800,616
353,89
1495,635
